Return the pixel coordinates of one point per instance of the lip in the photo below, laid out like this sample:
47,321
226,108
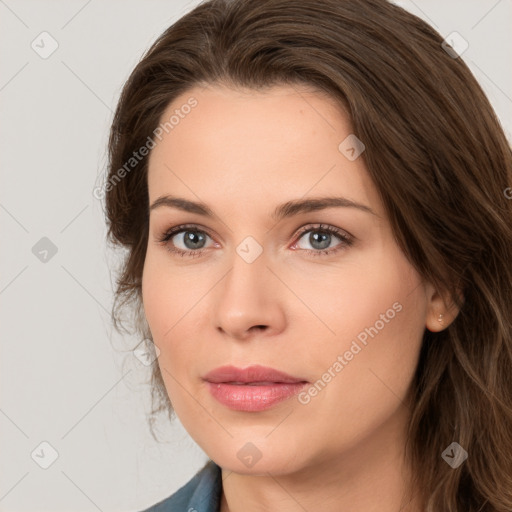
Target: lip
254,373
252,389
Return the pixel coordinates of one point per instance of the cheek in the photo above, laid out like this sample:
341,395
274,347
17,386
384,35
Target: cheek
374,308
174,299
362,392
166,302
379,320
351,297
169,295
157,298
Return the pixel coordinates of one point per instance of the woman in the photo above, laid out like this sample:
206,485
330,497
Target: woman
313,199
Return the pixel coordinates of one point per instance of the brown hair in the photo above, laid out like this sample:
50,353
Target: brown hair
440,161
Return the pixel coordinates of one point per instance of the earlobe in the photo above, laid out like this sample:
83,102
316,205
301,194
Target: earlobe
441,309
436,325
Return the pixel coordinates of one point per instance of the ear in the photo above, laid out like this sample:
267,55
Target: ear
441,308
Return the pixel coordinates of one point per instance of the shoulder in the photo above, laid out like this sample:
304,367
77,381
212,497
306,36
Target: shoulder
200,494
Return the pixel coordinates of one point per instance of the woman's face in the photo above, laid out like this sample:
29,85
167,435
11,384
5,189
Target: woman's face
259,283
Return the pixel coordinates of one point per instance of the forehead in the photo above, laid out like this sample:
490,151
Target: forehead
276,143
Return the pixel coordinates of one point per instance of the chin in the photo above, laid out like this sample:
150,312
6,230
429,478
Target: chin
257,458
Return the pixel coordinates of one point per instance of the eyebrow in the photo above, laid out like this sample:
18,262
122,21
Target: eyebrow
288,209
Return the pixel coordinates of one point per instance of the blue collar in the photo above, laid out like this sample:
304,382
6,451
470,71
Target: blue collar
202,493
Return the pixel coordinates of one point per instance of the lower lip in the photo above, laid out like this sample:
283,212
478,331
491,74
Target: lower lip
253,398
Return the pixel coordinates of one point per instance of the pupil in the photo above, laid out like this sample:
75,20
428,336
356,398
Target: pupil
324,237
192,239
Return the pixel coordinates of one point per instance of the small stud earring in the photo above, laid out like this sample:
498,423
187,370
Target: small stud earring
440,319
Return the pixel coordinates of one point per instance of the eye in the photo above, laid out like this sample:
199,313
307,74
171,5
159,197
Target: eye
321,238
185,240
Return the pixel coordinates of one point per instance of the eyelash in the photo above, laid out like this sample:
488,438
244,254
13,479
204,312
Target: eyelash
346,240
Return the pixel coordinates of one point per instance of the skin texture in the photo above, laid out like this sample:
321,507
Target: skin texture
243,152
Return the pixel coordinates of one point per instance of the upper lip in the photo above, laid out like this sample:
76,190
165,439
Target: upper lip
254,373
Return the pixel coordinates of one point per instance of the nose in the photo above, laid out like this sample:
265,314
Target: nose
249,300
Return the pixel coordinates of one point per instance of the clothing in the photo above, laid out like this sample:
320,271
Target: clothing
202,493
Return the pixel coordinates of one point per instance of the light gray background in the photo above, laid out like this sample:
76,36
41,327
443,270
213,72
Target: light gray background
66,377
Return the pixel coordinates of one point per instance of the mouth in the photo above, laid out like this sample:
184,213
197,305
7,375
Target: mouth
252,389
